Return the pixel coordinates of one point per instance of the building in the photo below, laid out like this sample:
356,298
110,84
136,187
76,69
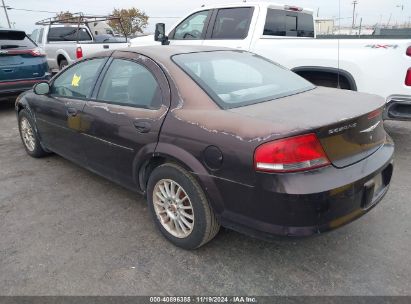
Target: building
324,26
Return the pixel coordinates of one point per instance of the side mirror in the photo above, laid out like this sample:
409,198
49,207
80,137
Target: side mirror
160,34
41,88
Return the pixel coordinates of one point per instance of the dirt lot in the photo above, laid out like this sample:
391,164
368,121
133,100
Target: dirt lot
66,231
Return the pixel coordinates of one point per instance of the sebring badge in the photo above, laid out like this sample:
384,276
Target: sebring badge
344,128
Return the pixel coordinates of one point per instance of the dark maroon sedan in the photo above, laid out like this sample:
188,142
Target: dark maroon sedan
215,137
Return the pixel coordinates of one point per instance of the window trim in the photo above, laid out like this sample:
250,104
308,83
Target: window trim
213,22
203,34
102,76
51,83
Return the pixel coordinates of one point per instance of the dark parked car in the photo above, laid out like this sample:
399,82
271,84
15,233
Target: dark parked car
22,63
215,137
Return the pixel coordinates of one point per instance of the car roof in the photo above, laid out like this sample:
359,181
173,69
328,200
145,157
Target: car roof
162,53
167,51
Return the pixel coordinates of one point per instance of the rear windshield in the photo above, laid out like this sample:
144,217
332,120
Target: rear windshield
18,41
236,78
68,34
286,23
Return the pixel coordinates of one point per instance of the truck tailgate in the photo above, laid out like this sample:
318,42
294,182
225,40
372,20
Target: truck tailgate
95,47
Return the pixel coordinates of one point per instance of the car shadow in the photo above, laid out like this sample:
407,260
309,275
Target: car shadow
7,104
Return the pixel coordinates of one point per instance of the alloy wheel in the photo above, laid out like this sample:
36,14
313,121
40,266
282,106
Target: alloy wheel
173,208
27,134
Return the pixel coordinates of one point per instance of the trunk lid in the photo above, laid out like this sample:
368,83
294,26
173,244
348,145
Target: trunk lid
348,124
353,140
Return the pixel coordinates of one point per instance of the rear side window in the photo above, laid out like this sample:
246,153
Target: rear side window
130,83
15,40
232,23
285,23
68,34
77,81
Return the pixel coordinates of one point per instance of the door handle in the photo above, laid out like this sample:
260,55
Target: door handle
142,126
71,112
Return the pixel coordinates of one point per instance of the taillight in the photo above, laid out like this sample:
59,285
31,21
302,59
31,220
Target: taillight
374,114
408,78
37,53
409,51
293,8
79,53
299,153
33,52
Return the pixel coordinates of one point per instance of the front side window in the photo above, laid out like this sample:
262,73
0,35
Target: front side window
34,35
235,78
77,81
40,37
232,23
129,83
192,28
285,23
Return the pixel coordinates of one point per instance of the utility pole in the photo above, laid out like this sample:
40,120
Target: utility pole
389,20
353,13
359,32
401,6
5,11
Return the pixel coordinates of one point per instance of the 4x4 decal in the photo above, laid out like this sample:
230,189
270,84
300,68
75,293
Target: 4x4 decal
382,46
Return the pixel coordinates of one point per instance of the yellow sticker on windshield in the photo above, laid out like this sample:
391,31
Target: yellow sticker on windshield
75,81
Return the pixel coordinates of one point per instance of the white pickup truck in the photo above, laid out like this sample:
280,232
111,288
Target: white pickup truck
285,34
64,44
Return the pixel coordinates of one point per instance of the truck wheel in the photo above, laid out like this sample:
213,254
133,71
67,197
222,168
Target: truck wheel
180,208
63,64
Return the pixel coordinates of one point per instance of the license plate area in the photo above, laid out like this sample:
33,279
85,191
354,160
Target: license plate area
375,187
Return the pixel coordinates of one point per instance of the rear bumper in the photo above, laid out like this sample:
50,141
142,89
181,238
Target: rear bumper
12,88
306,203
398,107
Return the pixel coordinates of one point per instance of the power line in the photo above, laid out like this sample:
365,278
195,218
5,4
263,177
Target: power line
164,17
41,11
26,10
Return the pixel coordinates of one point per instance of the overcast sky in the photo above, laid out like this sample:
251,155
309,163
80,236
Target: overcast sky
372,11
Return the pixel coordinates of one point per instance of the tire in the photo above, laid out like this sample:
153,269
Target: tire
29,136
63,64
204,225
